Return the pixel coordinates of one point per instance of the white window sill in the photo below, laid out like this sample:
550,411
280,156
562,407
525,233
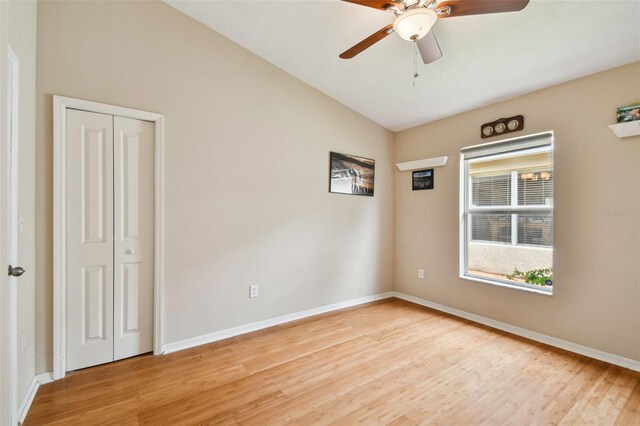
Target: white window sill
506,285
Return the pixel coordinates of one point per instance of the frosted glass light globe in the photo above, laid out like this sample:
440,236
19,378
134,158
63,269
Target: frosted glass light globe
415,23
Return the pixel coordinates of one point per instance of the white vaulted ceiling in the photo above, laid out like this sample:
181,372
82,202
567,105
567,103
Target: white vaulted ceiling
486,58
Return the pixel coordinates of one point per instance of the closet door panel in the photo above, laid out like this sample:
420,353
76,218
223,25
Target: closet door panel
134,236
89,218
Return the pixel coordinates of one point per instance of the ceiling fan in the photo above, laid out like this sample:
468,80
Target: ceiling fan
415,18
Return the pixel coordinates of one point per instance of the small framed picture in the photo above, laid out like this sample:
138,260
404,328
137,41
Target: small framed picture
422,179
350,174
628,113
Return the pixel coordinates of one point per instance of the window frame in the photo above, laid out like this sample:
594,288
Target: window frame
466,209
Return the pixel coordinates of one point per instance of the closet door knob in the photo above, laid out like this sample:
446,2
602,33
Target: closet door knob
16,271
132,251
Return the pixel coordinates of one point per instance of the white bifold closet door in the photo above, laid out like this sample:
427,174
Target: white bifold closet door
110,230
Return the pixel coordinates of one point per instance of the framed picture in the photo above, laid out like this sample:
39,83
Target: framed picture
422,179
351,175
628,113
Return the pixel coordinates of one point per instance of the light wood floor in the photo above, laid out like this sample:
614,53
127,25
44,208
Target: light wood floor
384,363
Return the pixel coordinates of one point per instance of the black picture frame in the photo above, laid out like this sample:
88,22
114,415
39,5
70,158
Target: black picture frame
351,174
422,179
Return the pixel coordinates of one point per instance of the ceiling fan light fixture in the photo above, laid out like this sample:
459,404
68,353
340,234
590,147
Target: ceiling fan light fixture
414,24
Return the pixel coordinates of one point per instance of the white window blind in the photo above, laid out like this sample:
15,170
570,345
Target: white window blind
507,146
535,188
491,190
535,229
491,227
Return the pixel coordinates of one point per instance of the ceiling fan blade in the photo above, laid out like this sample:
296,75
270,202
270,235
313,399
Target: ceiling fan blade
377,4
478,7
429,48
367,42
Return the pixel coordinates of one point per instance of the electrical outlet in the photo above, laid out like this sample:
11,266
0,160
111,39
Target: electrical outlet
24,342
253,291
421,274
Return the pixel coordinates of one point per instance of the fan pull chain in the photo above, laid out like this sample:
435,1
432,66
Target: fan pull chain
415,63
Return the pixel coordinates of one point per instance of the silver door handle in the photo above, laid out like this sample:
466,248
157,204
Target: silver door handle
132,251
16,271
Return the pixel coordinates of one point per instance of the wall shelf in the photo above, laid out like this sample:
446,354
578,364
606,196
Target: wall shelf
422,164
624,130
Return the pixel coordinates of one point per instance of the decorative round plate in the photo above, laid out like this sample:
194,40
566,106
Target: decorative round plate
513,124
500,127
487,131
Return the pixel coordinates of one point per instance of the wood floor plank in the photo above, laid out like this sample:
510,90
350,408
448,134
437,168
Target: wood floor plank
388,362
438,387
603,402
127,421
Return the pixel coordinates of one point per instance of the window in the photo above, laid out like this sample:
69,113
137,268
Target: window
507,212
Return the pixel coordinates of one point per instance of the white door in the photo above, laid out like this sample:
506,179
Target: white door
11,236
110,231
89,187
134,224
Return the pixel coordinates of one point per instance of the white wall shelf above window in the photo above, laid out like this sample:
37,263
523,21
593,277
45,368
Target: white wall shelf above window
625,130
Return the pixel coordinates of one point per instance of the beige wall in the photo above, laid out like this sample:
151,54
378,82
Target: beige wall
596,299
247,151
21,38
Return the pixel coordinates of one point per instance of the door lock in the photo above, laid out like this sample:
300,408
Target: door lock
16,271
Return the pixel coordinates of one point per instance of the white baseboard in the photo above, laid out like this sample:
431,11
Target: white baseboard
523,332
38,380
255,326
